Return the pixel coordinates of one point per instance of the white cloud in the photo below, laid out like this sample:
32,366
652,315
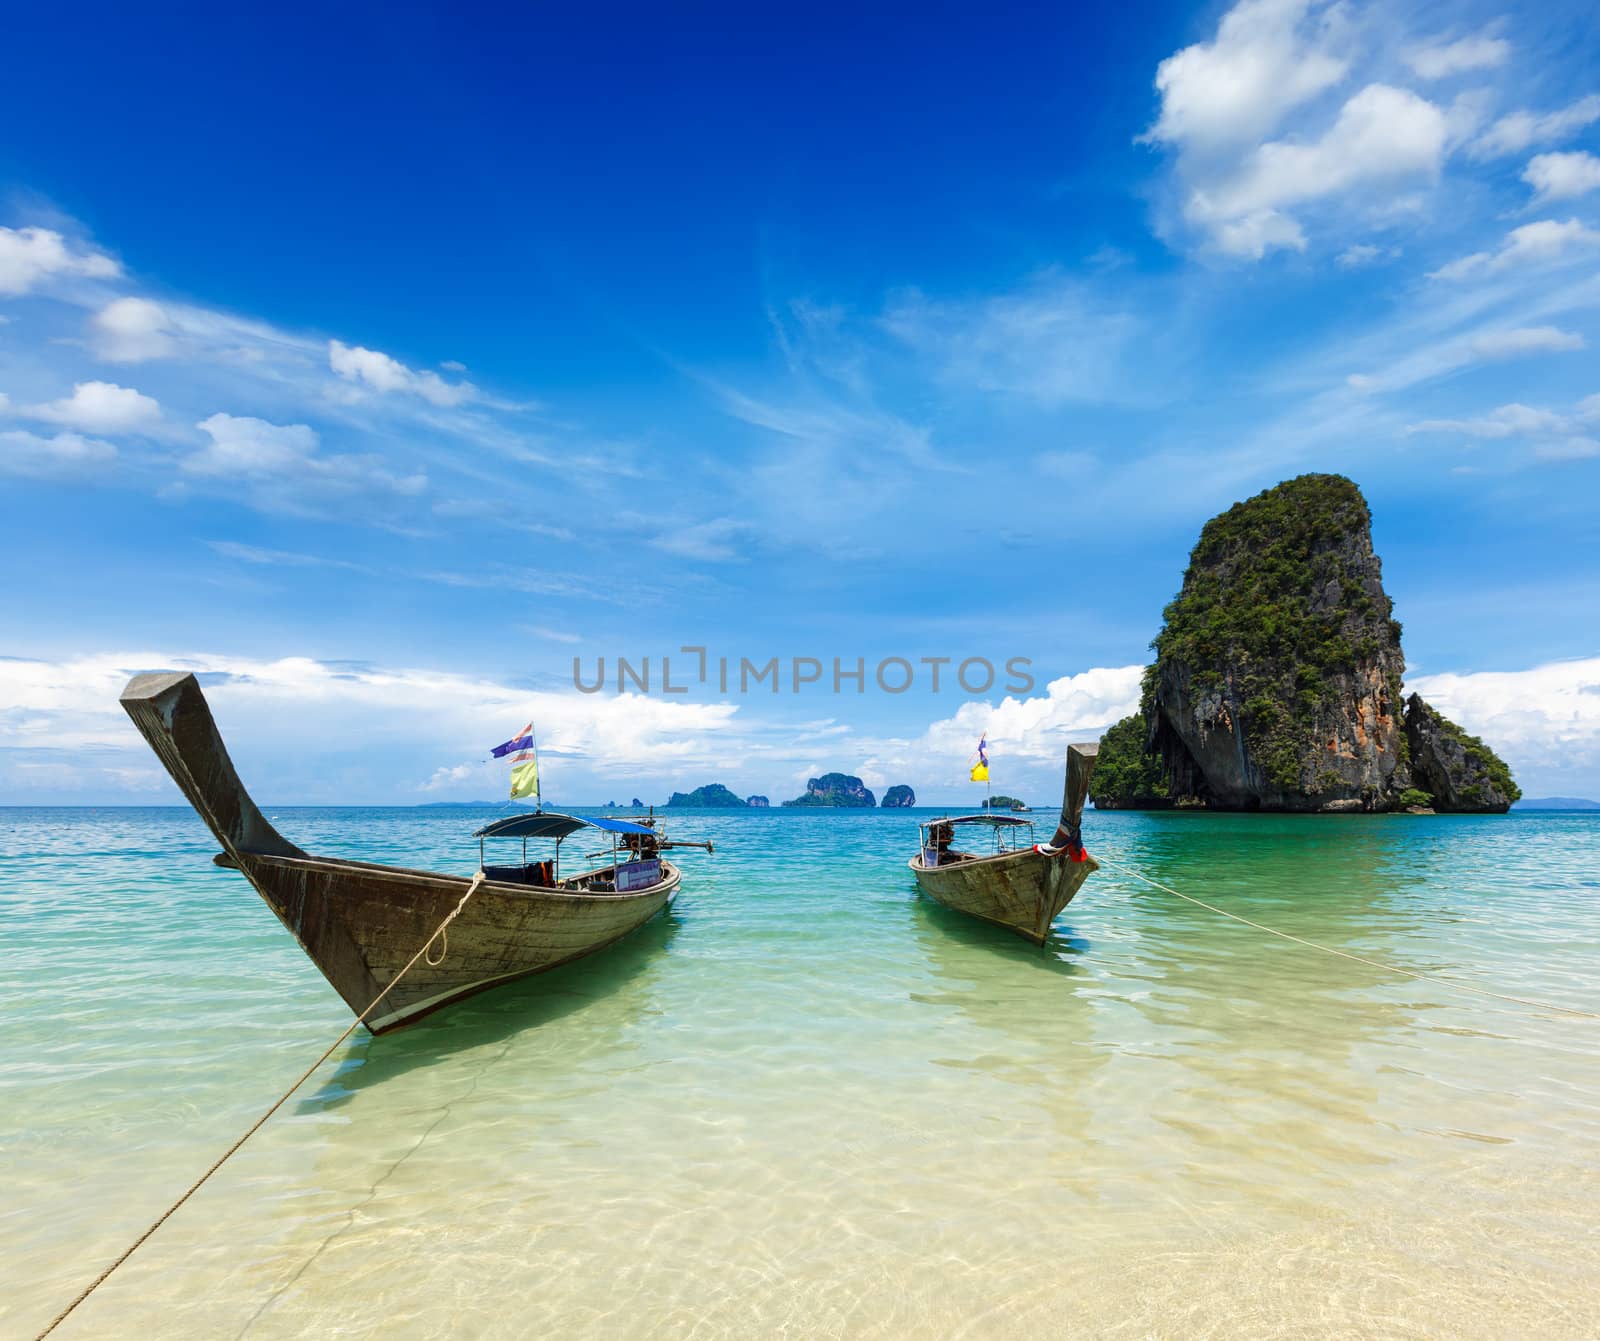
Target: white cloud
1514,343
1360,255
285,719
30,256
1381,134
1255,148
282,468
1562,176
1039,728
63,455
449,776
1440,60
244,446
379,372
1506,422
232,549
1421,361
1545,720
1531,244
1516,131
101,407
711,541
553,635
1572,449
131,330
1267,58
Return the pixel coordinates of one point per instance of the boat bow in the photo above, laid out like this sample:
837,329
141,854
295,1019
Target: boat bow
171,713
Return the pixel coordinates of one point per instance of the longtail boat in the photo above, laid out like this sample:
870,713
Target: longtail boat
361,923
1014,882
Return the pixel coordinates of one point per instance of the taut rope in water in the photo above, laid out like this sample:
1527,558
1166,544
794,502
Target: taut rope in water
261,1121
1345,954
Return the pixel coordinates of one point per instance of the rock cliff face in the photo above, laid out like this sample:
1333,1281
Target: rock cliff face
713,796
899,797
1458,771
1277,677
835,789
1276,684
757,802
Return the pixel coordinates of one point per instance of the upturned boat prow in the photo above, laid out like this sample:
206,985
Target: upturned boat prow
361,923
1019,884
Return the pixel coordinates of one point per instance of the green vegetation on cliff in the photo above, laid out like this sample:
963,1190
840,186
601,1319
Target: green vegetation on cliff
1125,775
1277,602
1463,773
713,796
835,789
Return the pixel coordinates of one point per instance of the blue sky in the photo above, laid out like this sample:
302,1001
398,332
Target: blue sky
381,362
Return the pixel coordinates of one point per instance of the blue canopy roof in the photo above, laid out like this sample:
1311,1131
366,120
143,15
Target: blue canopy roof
547,824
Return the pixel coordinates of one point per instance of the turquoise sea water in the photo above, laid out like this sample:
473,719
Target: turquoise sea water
809,1103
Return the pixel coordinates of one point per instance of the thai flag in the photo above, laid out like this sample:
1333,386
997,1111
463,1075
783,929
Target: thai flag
523,740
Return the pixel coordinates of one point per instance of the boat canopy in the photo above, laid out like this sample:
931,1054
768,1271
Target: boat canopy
1006,821
547,824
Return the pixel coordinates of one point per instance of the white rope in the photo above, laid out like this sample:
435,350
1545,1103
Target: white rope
1345,954
261,1121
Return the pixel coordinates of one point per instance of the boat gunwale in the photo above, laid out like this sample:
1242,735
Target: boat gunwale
408,874
916,864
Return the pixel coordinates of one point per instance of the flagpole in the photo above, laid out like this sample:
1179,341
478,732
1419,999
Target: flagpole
538,780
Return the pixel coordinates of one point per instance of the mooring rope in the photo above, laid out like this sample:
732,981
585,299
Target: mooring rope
261,1121
1345,954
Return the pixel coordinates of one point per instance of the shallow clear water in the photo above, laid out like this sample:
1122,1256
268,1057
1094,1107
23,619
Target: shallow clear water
809,1103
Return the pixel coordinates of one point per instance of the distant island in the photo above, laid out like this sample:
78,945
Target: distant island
1003,803
1556,803
713,796
899,797
835,789
757,802
1276,683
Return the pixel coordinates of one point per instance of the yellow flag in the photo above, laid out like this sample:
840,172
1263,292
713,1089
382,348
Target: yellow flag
980,772
525,779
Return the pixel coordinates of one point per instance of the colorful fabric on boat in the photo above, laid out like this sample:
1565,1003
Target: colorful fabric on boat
523,740
525,777
980,770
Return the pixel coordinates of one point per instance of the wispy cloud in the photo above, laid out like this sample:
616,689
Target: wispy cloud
64,455
1441,60
32,257
1054,340
1532,244
1522,129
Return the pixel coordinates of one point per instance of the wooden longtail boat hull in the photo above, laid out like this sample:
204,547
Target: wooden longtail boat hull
359,922
1024,890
